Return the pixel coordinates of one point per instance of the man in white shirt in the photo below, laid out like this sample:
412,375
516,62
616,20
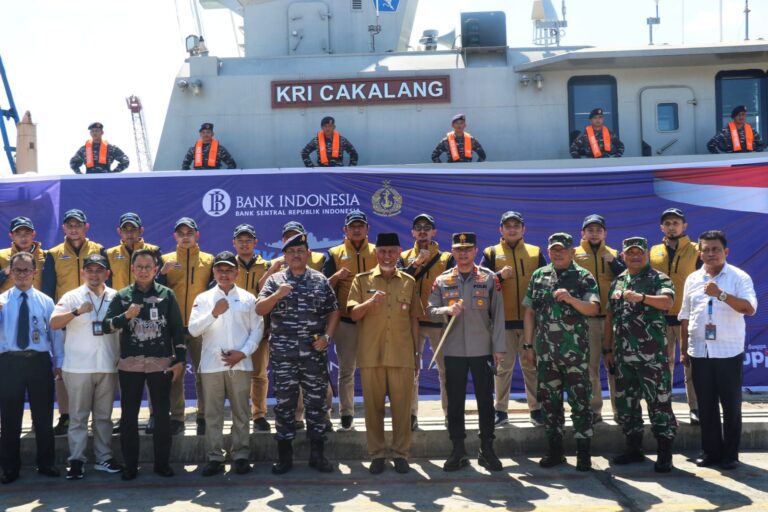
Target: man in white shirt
715,300
90,366
225,316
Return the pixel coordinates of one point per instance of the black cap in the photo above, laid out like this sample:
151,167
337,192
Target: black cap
511,215
465,239
387,240
185,221
21,222
458,117
327,120
76,214
677,212
295,241
130,218
593,219
96,125
206,126
738,110
595,112
225,258
294,226
246,229
355,215
96,259
425,216
563,239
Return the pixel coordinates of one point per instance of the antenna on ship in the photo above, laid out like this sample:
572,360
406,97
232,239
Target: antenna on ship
746,20
651,22
548,29
375,30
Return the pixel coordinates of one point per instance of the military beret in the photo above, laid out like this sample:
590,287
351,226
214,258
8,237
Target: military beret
96,259
293,225
295,241
244,229
511,215
593,219
595,112
327,120
225,258
21,222
424,216
206,126
458,117
738,110
387,240
76,214
677,212
635,241
563,239
185,221
464,239
130,218
96,125
355,215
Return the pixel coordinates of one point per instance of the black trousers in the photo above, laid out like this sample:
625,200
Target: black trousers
21,376
718,383
131,387
456,371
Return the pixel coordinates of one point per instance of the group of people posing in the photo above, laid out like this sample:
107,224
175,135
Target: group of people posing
98,320
595,141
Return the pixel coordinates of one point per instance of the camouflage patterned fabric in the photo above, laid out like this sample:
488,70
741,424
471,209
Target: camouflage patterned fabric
642,367
561,340
295,320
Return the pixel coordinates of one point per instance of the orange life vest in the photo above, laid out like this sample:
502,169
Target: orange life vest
455,149
103,147
593,141
335,147
212,152
748,135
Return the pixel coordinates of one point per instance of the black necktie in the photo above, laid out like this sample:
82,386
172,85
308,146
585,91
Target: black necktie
22,331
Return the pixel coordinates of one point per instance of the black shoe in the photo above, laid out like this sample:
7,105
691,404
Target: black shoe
554,454
75,470
583,455
316,458
298,425
663,462
377,466
200,426
502,418
109,466
51,471
487,457
414,422
730,464
261,425
150,428
633,452
285,457
242,466
537,418
177,427
164,471
695,417
401,465
9,478
212,468
346,423
705,461
458,458
129,474
62,426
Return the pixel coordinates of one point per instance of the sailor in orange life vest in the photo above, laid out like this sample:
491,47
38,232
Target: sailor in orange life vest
597,141
458,144
330,146
207,153
98,155
737,137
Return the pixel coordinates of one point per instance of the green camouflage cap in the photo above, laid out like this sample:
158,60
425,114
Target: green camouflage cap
635,241
563,239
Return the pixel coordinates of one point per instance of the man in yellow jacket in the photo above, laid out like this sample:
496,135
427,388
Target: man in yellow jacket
188,271
22,233
61,273
604,264
130,230
677,257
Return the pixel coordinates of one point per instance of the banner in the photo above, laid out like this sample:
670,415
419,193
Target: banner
724,196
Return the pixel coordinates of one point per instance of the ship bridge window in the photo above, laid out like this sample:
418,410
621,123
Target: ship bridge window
586,93
747,87
667,119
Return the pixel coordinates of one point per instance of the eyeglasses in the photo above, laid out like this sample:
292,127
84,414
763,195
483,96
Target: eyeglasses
144,268
22,271
423,227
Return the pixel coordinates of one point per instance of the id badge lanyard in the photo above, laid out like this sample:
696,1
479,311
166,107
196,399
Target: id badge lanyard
96,326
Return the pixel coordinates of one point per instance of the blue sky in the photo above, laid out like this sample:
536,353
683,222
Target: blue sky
73,62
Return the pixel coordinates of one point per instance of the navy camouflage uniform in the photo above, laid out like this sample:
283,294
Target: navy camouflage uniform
295,320
114,154
723,143
223,157
344,147
561,341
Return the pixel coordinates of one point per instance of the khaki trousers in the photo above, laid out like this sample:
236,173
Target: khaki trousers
503,379
90,393
431,334
397,384
596,336
194,347
345,339
259,380
218,386
673,339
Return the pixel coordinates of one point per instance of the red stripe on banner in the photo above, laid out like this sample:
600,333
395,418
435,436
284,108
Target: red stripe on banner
747,176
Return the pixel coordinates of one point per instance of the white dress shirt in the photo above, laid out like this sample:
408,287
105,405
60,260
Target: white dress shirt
238,328
729,323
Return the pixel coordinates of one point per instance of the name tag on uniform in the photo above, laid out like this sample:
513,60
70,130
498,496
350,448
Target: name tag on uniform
97,329
154,314
710,332
36,336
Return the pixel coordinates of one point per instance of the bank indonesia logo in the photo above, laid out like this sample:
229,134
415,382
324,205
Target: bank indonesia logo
386,5
216,202
386,201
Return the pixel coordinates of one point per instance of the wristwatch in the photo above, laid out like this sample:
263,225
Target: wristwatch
74,312
527,346
417,354
722,296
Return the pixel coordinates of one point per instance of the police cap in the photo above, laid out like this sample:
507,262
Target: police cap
464,239
295,241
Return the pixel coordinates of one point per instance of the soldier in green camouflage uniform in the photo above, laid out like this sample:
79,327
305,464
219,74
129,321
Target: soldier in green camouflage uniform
559,299
635,331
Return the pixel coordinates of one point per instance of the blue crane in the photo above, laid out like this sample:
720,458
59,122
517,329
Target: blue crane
8,114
